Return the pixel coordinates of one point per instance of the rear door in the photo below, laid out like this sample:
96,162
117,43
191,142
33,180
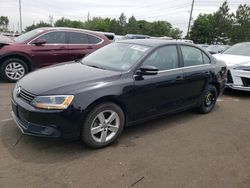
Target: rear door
197,72
54,51
80,44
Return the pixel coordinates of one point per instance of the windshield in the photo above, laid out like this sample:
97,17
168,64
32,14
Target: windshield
116,56
239,49
28,35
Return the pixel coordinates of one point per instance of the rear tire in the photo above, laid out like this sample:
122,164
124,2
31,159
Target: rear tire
13,69
208,100
103,125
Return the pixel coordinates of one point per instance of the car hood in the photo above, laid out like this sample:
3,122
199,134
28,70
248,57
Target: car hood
232,60
65,79
5,40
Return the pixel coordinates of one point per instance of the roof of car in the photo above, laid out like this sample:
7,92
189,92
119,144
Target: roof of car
153,42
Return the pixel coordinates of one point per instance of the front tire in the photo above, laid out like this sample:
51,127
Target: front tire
103,125
13,69
208,100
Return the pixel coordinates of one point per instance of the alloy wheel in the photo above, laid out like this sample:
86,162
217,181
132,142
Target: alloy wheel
15,70
105,126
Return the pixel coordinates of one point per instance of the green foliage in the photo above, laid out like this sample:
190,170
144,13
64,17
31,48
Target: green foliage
64,22
4,22
132,26
118,26
222,26
38,25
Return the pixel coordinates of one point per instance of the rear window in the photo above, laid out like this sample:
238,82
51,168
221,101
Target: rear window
93,39
82,38
78,38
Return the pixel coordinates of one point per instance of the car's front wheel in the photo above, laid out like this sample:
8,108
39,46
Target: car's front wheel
208,99
13,69
103,125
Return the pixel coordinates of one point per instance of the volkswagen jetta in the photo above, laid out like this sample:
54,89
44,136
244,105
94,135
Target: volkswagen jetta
118,85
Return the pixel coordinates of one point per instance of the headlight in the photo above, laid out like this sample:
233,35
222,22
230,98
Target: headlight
56,102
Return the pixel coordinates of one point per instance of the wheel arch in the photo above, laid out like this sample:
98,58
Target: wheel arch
217,86
110,98
23,57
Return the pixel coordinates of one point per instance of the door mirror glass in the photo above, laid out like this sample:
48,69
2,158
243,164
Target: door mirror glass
147,70
39,42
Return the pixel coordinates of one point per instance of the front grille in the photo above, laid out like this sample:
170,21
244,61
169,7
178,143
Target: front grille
26,96
229,77
245,81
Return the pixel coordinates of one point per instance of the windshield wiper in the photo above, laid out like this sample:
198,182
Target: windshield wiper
95,66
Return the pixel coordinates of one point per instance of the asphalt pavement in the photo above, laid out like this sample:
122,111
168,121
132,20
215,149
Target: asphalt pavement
182,150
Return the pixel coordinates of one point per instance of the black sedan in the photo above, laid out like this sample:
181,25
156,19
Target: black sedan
118,85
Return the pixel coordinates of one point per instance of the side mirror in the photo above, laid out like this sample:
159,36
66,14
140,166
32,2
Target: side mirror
147,70
39,42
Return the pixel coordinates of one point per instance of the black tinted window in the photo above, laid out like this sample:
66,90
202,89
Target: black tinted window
93,39
54,37
191,56
78,38
164,58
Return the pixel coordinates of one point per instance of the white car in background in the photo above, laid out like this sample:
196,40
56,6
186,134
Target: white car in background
237,59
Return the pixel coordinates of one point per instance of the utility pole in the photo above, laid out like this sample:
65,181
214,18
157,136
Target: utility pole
190,18
20,16
88,17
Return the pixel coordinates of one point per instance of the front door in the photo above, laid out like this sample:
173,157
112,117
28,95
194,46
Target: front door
53,51
161,93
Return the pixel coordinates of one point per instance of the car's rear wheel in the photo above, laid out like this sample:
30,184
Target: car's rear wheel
103,125
208,99
13,69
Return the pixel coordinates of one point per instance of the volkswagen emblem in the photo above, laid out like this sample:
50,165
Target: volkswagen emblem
18,91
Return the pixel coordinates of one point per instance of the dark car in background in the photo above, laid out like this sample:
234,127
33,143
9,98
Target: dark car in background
46,46
120,84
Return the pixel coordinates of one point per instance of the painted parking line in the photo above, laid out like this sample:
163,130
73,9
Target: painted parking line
5,120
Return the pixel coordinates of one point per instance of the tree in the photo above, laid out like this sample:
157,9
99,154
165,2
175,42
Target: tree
4,23
38,25
64,22
202,29
175,33
123,23
144,27
241,25
99,24
222,24
115,27
160,28
132,26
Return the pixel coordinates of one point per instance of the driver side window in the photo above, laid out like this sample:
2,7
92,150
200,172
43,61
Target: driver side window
164,58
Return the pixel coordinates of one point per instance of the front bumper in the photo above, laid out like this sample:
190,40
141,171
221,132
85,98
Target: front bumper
64,124
28,128
238,87
238,80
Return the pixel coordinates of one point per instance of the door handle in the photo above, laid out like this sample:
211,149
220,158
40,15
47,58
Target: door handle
179,78
206,72
90,47
62,48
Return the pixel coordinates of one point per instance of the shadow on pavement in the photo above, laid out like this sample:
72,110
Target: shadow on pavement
49,151
236,93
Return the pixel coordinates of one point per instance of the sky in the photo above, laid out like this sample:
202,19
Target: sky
174,11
